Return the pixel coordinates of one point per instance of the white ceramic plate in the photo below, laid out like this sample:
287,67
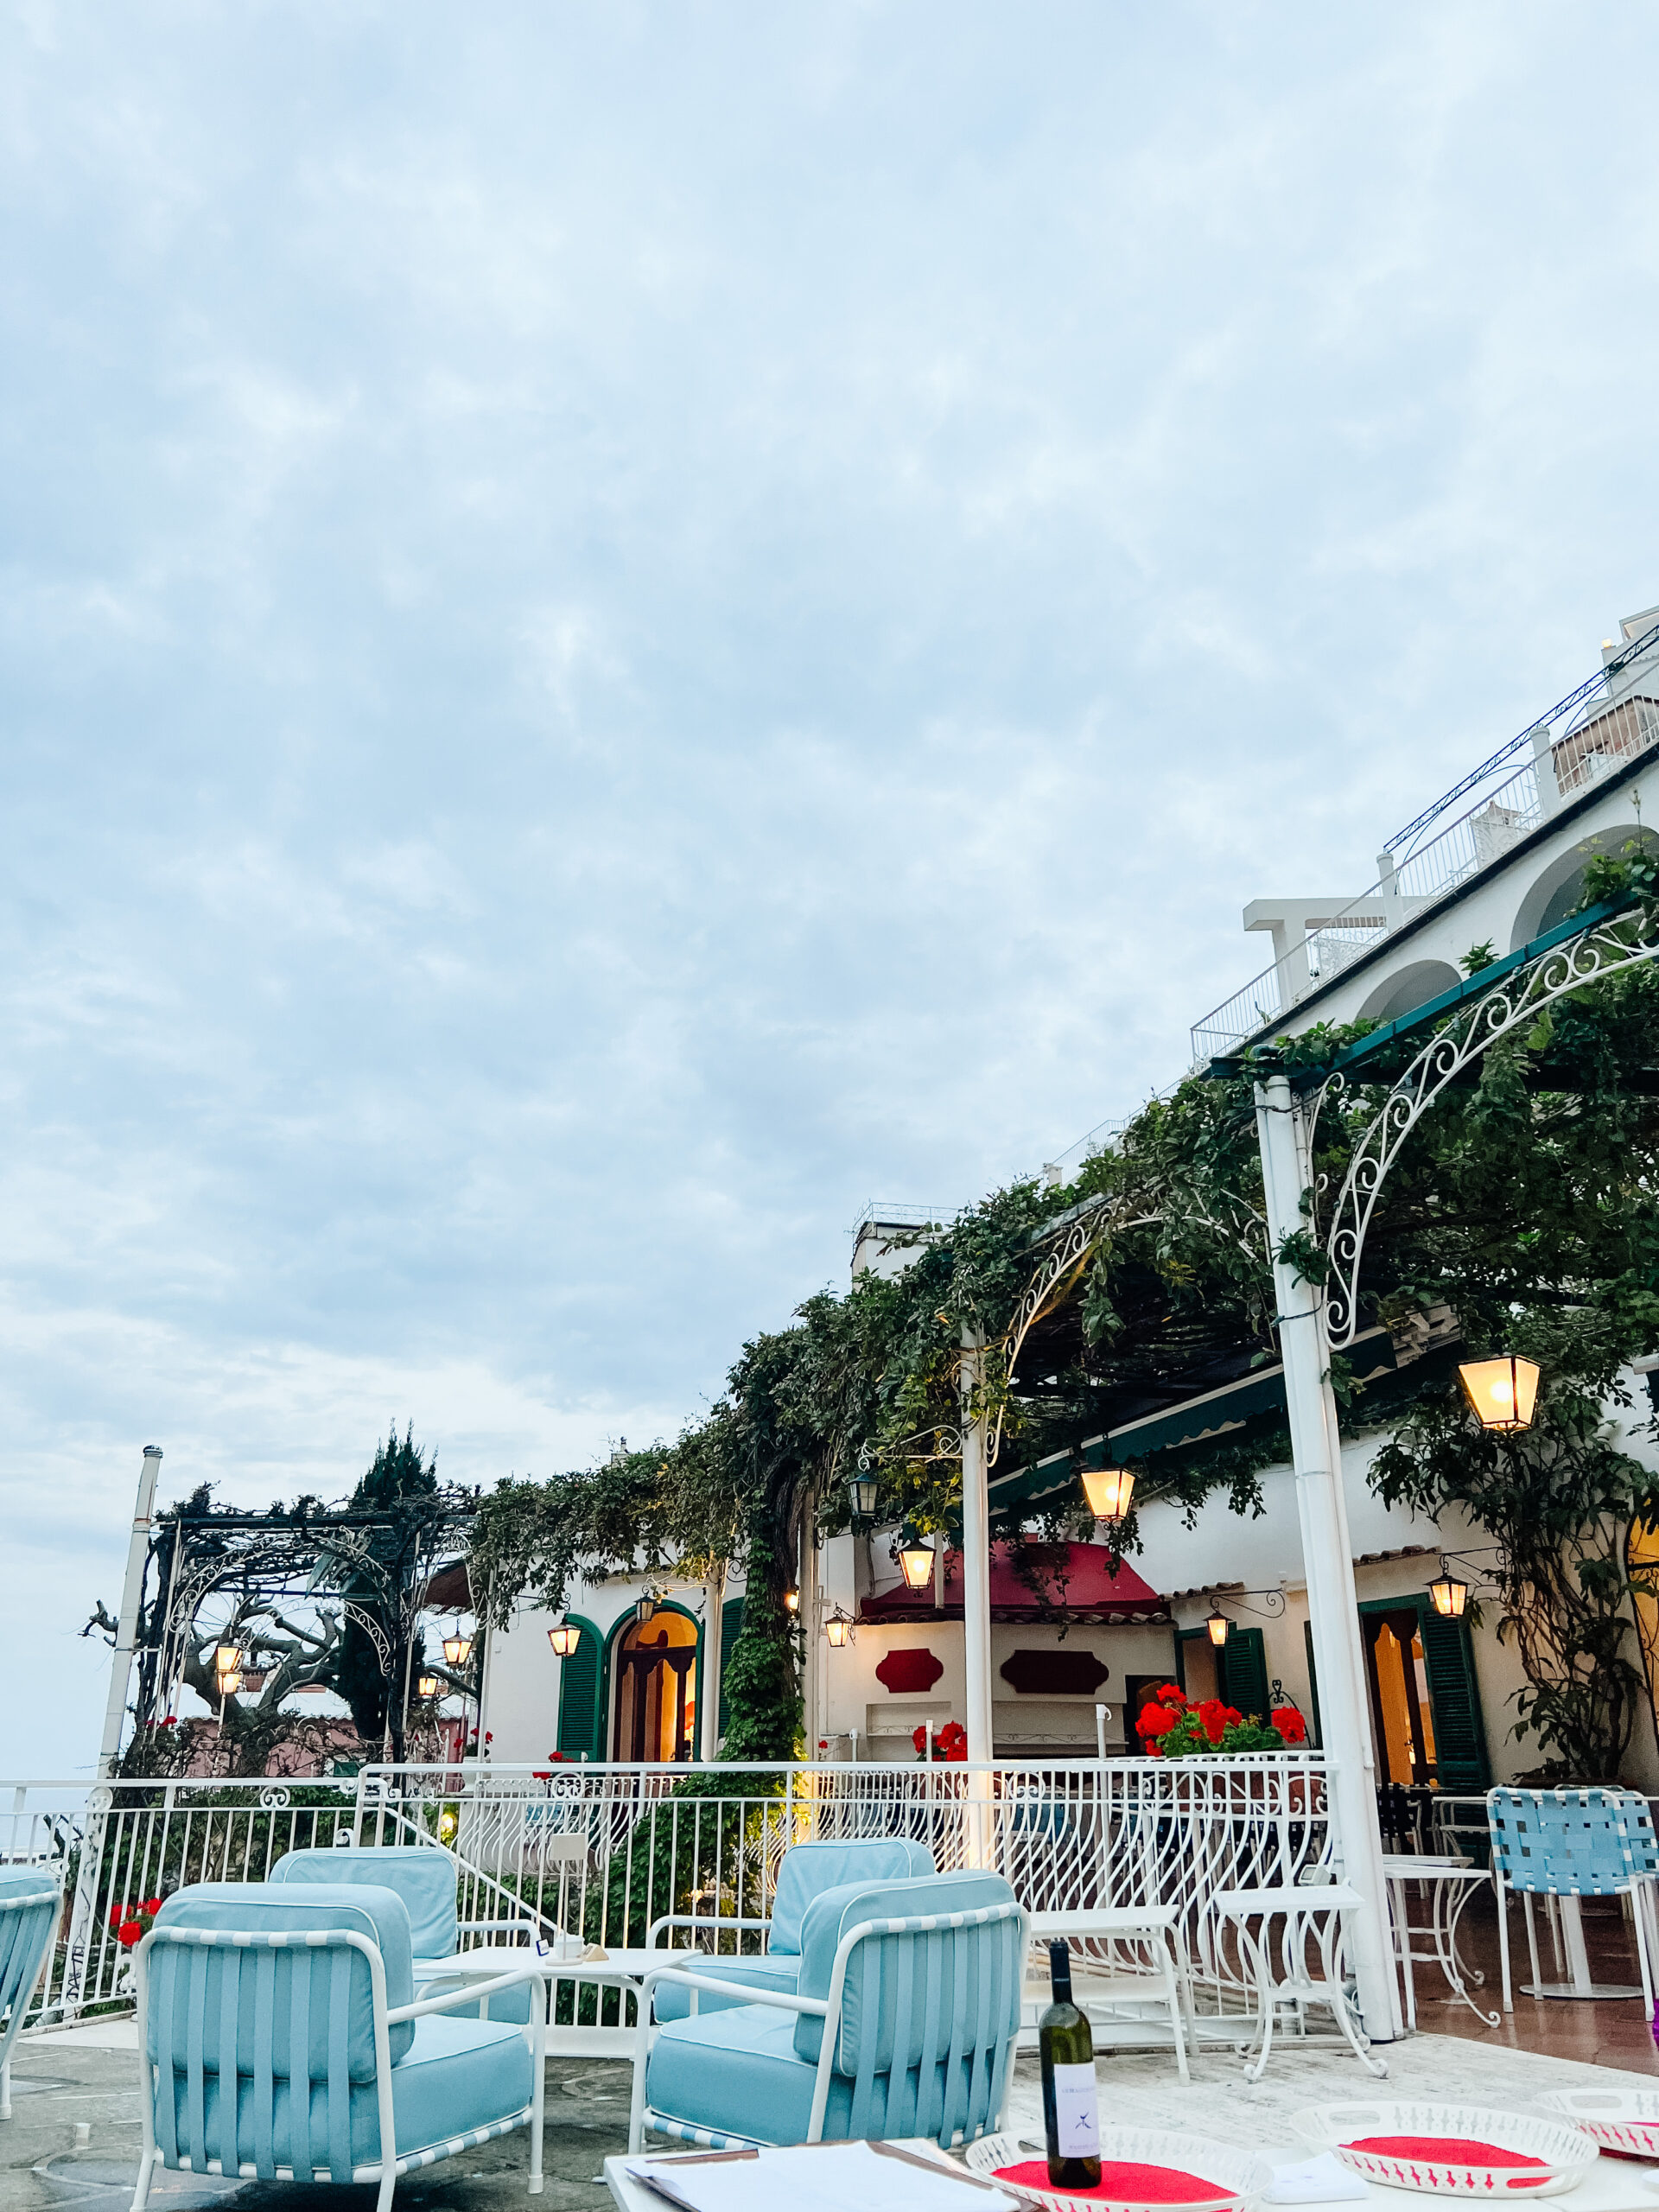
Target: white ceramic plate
1566,2153
1240,2176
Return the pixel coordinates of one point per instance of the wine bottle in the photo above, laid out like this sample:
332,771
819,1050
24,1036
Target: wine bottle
1070,2110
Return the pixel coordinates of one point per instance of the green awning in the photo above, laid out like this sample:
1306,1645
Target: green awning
1212,1413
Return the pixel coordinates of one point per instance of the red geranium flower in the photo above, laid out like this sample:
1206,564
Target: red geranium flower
1153,1720
1290,1724
1171,1693
1213,1718
131,1932
918,1737
152,1905
953,1740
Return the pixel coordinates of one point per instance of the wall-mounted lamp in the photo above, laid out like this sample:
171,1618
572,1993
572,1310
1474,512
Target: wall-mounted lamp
792,1600
457,1648
839,1629
429,1686
1219,1627
563,1636
1449,1595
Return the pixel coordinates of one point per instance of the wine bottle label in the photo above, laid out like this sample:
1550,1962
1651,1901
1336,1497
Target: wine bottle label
1076,2112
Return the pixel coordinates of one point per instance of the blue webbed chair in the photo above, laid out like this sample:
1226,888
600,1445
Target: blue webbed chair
805,1871
903,2023
424,1876
30,1906
1571,1843
280,2039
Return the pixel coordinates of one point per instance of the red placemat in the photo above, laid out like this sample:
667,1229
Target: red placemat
1123,2182
1443,2151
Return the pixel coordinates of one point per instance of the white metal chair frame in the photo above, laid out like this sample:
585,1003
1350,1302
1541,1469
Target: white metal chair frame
25,1988
827,2009
696,1920
386,2173
1154,1931
1316,1907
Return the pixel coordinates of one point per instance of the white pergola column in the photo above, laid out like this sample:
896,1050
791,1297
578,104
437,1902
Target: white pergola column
126,1631
1327,1557
812,1629
976,1557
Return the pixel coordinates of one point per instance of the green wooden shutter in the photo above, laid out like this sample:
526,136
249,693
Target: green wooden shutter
1312,1680
1460,1761
731,1627
579,1714
1244,1672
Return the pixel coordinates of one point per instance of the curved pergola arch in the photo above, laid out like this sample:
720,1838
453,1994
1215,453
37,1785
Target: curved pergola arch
1607,948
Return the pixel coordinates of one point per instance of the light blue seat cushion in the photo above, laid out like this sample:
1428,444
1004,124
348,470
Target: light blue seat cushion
457,2076
425,1879
805,1871
982,1964
185,1979
25,1882
770,1970
738,2074
422,1876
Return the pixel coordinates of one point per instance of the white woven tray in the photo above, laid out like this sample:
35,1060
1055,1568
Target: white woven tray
1240,2175
1568,2154
1619,2119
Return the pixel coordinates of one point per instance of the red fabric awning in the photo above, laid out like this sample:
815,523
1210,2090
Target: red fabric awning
1077,1576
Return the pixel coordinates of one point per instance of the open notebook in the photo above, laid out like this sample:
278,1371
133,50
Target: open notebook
818,2177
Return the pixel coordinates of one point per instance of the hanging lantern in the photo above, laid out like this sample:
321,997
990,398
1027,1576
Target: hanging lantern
229,1685
862,1489
1219,1626
227,1660
1503,1392
429,1686
1109,1490
563,1636
792,1600
457,1648
839,1629
1450,1596
916,1558
645,1608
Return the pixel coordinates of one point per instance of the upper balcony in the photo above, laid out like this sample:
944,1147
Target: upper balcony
1597,730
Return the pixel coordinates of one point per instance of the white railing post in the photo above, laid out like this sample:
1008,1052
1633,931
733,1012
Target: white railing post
1332,1601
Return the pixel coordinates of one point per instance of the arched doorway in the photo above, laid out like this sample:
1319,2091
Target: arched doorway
656,1715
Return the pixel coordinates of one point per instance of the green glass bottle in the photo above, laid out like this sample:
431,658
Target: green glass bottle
1070,2109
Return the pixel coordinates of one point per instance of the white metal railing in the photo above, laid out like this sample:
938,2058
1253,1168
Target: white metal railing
1599,728
603,1852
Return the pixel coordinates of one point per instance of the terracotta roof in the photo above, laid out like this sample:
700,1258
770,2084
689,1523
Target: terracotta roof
1077,1576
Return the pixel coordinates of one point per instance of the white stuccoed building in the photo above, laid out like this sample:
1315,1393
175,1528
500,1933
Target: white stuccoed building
1499,862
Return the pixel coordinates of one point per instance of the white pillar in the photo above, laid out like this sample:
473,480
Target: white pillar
975,1558
713,1599
126,1633
1333,1603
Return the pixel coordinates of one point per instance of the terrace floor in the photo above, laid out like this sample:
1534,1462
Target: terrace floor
87,2078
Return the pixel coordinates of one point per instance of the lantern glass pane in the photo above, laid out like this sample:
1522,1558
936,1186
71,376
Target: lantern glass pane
1218,1624
917,1560
1503,1392
1109,1490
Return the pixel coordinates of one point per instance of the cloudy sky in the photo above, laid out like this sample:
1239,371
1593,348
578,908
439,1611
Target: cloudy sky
627,627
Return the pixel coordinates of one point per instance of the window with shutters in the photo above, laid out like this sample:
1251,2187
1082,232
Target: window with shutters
1236,1673
580,1731
731,1627
1425,1702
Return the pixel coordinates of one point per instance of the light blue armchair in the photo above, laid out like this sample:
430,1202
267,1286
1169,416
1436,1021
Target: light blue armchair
30,1906
424,1876
279,2039
903,2023
805,1871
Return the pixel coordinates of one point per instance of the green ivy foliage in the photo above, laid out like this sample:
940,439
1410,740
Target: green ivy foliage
1527,1201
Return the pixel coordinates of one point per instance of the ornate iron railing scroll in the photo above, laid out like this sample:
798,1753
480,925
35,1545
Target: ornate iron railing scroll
1610,949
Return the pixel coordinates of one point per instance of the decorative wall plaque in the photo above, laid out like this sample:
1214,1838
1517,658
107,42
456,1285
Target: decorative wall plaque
1054,1673
912,1669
